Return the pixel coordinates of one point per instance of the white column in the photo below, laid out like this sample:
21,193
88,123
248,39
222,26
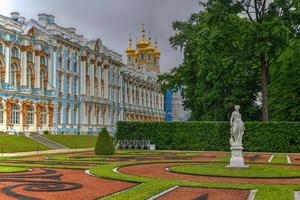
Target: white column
23,68
140,95
145,96
7,63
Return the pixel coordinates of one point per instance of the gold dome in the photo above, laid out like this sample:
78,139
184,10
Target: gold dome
150,48
142,43
156,50
130,50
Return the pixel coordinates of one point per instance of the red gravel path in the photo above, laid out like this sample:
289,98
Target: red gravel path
158,170
191,193
92,187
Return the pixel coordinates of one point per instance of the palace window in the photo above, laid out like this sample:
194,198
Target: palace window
59,83
88,88
68,64
149,58
98,116
60,62
68,115
90,116
1,48
30,115
42,80
14,52
42,60
59,115
29,57
75,86
44,116
2,76
15,114
142,56
68,85
87,71
75,115
29,74
13,75
75,66
96,88
1,113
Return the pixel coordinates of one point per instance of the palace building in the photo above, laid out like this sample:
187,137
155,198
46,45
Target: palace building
53,79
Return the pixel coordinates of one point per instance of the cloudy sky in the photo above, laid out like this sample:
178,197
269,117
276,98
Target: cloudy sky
113,20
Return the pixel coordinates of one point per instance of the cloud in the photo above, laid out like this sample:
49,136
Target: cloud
113,20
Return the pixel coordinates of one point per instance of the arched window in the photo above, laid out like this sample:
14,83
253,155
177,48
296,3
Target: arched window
1,113
1,48
2,75
42,80
96,88
29,74
59,114
87,88
15,114
67,115
29,57
75,115
30,115
14,52
75,86
43,60
60,62
68,64
59,80
90,116
13,75
98,116
44,116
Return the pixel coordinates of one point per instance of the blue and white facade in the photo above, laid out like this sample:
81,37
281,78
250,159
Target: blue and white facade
53,79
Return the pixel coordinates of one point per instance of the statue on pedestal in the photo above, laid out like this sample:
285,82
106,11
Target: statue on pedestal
237,131
237,126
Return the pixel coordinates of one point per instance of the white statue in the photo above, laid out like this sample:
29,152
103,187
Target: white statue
237,126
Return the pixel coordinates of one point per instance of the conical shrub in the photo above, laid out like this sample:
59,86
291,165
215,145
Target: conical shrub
104,145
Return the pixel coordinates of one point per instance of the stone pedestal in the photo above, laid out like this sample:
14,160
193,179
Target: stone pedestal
237,159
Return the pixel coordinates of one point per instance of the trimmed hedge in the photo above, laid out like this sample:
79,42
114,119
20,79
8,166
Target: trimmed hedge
213,136
104,144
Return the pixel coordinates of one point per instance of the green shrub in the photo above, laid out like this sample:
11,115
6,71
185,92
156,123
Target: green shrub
46,132
213,136
104,144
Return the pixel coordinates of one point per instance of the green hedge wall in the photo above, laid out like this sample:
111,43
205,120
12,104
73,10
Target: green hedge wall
214,136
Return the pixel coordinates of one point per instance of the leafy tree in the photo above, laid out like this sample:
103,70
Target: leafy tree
228,50
104,144
285,85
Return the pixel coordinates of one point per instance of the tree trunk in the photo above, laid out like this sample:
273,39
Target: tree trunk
264,91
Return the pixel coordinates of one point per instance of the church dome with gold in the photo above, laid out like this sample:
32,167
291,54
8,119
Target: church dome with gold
145,56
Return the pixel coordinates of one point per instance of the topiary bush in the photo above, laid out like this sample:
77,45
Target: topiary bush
104,144
213,136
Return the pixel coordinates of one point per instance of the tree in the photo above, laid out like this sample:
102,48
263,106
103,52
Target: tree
230,40
104,144
285,85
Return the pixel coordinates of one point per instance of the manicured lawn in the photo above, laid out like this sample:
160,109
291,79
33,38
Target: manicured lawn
12,143
279,158
255,170
74,141
12,169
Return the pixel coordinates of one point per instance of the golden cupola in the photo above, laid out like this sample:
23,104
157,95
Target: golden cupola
130,50
150,49
142,43
156,50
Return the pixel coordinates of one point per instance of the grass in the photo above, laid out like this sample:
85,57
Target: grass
13,143
254,170
152,186
74,141
5,169
279,158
